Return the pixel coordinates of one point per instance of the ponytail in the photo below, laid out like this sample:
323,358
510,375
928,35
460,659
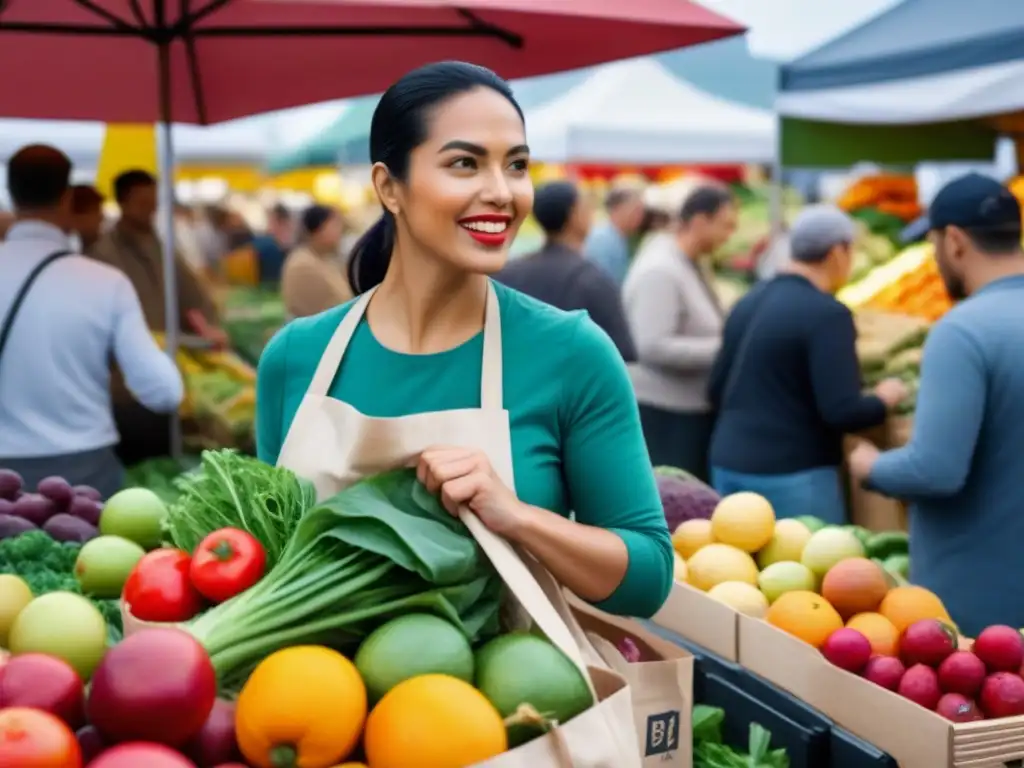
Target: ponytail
371,255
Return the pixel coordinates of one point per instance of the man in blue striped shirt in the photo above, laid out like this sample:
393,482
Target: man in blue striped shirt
963,469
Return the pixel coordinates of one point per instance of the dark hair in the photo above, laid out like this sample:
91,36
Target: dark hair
706,200
280,212
85,197
125,182
315,216
996,241
553,205
620,196
38,176
399,125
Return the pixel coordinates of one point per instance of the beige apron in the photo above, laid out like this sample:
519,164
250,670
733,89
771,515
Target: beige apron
334,445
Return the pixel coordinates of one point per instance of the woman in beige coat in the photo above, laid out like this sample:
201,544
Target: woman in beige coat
312,279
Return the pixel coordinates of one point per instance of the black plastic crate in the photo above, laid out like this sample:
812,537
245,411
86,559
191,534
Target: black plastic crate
807,745
849,751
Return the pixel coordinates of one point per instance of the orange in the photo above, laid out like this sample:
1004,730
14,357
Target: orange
855,585
805,615
691,536
433,721
880,632
905,605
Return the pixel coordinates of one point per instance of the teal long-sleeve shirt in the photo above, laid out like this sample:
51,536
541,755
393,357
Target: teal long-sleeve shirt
576,439
963,466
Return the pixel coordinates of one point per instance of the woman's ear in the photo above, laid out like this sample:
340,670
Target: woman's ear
386,187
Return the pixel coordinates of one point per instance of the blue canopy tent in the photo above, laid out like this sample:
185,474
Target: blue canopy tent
921,81
724,68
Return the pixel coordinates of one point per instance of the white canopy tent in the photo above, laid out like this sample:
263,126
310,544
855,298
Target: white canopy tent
636,112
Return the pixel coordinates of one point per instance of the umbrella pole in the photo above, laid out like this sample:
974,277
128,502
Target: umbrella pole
172,319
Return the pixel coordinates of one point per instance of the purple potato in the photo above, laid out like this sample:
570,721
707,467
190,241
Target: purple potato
88,491
57,490
86,509
11,526
34,508
6,507
10,484
64,527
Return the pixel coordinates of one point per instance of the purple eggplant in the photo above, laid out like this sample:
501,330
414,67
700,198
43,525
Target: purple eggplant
65,527
58,490
11,526
88,491
10,484
86,509
34,508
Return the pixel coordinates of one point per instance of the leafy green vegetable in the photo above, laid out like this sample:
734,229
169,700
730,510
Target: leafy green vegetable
158,475
46,565
229,490
710,752
379,549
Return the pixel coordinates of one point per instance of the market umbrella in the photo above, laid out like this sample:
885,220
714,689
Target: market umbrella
203,61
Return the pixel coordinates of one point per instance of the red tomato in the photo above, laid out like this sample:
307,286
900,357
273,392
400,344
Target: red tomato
137,754
159,588
226,563
31,738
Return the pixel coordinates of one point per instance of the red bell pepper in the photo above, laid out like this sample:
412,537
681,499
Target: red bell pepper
226,563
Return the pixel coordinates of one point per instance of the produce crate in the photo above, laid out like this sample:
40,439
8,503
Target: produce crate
696,617
914,736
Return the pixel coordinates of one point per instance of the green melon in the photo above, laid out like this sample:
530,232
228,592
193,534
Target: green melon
417,644
521,668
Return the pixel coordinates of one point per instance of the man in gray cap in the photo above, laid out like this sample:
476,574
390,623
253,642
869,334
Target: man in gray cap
786,382
559,275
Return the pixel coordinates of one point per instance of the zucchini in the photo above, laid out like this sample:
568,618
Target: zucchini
888,543
898,565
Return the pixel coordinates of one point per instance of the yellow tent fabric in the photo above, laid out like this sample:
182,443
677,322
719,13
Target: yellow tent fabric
125,146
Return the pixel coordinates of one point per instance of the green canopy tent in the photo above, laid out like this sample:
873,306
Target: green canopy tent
921,81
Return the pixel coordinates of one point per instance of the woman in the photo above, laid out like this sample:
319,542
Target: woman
469,381
311,279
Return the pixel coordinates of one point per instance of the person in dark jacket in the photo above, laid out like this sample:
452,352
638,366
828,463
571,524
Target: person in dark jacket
786,382
559,275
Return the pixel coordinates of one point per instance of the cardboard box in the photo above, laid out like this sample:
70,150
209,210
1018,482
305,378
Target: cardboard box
871,510
915,737
693,615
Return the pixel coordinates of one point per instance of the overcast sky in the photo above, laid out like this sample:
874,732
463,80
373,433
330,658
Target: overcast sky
784,29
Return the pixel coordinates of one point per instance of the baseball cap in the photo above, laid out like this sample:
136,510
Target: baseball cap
816,229
972,202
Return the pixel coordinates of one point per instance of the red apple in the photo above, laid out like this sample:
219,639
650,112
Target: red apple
43,682
962,672
886,671
958,708
920,684
927,641
1002,695
848,649
1001,648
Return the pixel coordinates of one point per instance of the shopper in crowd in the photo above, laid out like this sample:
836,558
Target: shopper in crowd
271,248
787,383
608,244
676,320
312,279
62,316
963,466
559,275
86,215
134,247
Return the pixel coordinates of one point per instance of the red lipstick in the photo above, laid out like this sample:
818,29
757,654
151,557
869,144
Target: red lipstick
490,236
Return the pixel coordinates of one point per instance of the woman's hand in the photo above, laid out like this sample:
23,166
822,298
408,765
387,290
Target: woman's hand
464,477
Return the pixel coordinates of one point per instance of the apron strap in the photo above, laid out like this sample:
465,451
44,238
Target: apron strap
331,360
491,397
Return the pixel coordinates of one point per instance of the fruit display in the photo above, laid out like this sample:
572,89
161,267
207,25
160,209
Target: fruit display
887,194
910,284
890,346
929,664
798,573
266,630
